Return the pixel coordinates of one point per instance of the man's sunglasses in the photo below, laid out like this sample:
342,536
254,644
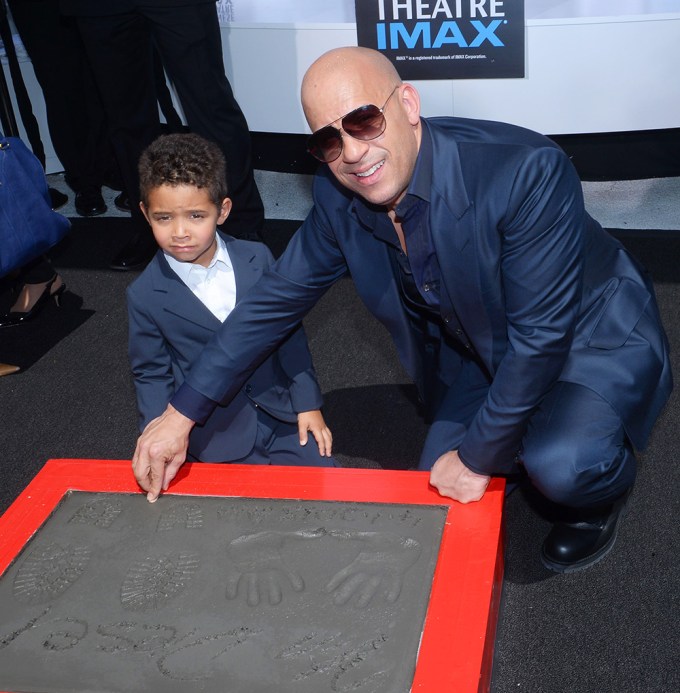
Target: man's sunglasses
363,123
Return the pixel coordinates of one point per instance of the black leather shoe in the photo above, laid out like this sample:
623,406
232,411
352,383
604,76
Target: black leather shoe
89,202
584,540
136,254
57,198
122,202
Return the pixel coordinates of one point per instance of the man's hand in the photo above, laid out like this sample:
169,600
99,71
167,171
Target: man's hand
161,451
314,423
259,563
453,479
381,564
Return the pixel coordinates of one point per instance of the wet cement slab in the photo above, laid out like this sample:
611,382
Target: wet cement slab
214,594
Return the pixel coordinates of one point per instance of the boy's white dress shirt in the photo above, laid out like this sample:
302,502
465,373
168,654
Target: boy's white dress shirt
214,285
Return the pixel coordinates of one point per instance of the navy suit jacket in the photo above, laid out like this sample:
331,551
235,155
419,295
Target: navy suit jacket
541,292
168,328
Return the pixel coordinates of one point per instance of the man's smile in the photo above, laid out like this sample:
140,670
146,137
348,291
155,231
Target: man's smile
370,171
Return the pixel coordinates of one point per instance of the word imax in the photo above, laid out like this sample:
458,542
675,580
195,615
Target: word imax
449,33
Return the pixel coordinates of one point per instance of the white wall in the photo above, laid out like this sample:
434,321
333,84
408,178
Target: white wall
591,66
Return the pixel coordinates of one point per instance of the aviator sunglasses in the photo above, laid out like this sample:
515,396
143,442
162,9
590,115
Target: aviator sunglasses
363,123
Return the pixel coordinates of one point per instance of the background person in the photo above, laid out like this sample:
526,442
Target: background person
120,36
75,115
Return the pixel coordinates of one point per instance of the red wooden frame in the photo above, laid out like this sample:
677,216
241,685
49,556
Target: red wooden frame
456,649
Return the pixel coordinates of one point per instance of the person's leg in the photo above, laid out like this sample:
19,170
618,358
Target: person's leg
75,115
575,451
282,443
277,443
258,455
189,42
172,118
577,455
458,407
39,283
120,51
37,271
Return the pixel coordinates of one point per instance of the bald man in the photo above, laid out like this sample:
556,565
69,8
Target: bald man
532,335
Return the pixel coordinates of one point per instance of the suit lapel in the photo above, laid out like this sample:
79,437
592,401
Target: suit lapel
181,301
454,233
247,269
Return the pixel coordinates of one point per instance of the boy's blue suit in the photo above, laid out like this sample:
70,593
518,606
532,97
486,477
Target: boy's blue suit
169,327
533,292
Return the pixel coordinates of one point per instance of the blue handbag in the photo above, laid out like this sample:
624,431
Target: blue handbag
28,225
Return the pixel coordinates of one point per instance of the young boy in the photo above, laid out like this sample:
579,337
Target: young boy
188,289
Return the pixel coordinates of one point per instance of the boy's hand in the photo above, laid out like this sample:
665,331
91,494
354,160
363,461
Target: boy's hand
313,422
161,451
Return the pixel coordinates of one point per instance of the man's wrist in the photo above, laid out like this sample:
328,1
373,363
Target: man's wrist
179,419
192,404
470,467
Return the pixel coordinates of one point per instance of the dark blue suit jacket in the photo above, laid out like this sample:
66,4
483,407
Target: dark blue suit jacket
169,326
542,293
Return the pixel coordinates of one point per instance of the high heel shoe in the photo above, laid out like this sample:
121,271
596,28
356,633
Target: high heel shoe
13,318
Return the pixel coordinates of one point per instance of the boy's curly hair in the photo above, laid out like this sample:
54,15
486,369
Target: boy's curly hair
183,159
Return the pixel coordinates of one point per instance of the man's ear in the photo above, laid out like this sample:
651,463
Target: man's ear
225,208
410,100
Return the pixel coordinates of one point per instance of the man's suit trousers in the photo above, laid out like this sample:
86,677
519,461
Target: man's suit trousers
574,451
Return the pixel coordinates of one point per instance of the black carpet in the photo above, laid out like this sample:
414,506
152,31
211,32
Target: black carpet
611,629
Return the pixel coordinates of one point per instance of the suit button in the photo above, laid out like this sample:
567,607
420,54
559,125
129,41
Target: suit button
248,389
459,332
447,319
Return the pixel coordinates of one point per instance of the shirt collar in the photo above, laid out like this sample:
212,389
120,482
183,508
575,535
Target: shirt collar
185,269
421,180
419,187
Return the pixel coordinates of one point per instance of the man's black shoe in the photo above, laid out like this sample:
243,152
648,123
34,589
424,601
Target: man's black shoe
122,202
136,254
89,202
57,198
583,541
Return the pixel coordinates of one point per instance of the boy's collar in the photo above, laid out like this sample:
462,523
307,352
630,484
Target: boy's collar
184,269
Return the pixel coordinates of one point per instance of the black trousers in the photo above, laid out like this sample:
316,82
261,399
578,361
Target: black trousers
120,48
75,114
